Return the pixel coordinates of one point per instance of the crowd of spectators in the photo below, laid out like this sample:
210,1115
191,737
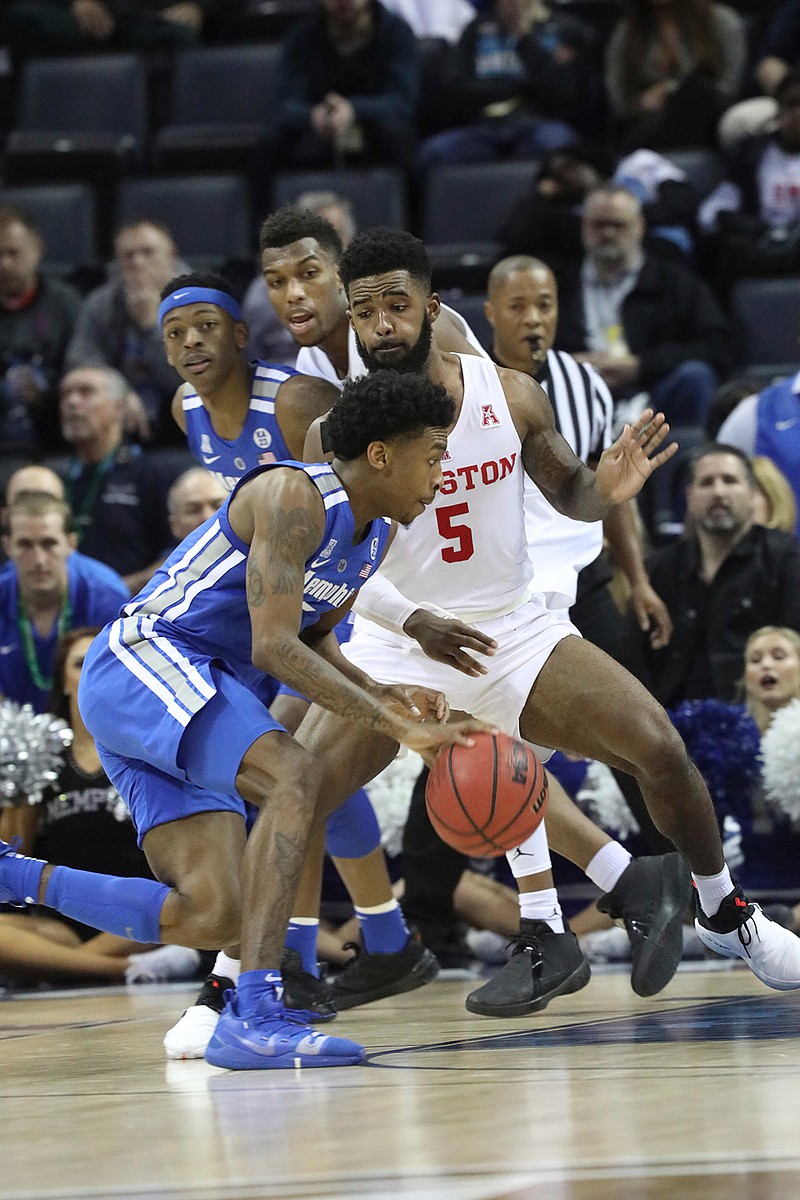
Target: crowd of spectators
603,101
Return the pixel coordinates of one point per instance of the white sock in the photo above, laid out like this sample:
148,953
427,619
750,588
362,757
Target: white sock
607,866
542,906
226,966
713,889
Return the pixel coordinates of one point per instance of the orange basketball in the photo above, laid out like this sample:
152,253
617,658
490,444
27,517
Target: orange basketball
487,798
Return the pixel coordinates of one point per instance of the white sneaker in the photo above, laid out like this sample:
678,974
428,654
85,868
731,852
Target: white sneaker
742,930
606,945
162,964
191,1035
489,947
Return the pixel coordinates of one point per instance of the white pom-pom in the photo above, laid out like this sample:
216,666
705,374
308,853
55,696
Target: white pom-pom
31,752
390,793
780,757
601,799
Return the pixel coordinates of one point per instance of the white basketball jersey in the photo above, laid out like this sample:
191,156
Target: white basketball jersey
468,553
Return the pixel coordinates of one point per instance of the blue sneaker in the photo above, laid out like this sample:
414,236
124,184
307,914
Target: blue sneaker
273,1038
9,895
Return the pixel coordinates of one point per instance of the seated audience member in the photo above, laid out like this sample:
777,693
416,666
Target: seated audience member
46,590
348,85
671,69
546,221
774,504
80,822
645,322
118,321
768,424
748,755
520,79
117,495
36,27
751,221
37,318
193,498
722,581
779,49
269,340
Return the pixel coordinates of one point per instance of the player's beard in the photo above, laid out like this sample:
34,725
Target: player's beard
414,360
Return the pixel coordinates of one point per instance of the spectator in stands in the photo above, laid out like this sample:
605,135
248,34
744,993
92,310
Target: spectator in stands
193,498
768,423
779,50
46,590
672,67
118,321
725,579
117,495
546,222
520,79
37,317
34,27
269,340
774,504
645,322
751,220
348,82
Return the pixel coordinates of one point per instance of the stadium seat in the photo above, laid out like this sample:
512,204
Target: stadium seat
464,208
77,115
766,320
66,214
471,309
221,104
209,215
378,194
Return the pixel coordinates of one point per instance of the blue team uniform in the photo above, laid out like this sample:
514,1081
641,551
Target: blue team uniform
96,593
260,442
185,639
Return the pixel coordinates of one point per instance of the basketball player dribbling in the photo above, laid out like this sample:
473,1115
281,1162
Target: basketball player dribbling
469,552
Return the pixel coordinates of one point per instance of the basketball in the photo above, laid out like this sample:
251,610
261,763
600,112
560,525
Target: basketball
486,798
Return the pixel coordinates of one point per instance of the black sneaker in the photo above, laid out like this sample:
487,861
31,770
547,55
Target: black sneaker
650,898
544,965
304,992
369,977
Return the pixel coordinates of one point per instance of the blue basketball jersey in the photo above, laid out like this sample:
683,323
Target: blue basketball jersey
260,442
197,599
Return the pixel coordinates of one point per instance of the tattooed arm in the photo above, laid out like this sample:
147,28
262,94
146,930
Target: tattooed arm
571,487
281,515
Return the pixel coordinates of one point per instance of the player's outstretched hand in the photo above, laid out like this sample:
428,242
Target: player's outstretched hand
428,740
626,465
447,640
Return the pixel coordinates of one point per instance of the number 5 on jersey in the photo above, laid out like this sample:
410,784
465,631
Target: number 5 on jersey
451,531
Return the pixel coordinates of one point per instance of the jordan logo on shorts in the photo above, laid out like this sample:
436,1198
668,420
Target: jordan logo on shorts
488,419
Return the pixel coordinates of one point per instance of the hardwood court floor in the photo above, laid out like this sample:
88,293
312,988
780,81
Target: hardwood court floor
694,1095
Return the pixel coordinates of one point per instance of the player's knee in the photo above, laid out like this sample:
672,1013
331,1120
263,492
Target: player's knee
212,912
664,755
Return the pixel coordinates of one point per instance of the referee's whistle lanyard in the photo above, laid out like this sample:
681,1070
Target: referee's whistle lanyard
82,513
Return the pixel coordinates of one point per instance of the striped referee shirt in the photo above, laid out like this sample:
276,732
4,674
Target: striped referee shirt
560,547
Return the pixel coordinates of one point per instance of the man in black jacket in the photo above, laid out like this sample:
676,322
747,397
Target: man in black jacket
726,579
647,323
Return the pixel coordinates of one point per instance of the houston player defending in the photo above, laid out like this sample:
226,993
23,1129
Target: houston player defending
470,552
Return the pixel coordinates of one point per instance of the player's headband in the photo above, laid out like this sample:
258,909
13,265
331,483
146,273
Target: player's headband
199,295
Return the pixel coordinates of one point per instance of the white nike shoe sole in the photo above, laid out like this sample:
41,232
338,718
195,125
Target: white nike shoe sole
191,1035
771,952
